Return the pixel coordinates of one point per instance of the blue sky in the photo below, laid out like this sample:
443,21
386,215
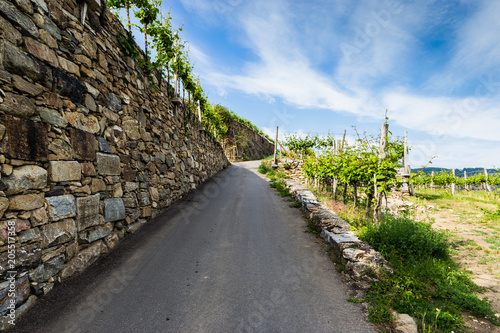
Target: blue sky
326,65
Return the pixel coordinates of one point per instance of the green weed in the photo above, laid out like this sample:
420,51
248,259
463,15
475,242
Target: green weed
280,187
355,300
313,227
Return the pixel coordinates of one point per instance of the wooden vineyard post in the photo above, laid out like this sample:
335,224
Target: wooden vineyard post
453,184
381,156
335,180
405,153
488,187
465,180
276,147
432,180
199,113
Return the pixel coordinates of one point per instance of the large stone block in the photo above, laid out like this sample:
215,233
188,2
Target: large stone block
21,287
92,234
97,185
83,144
27,139
114,102
144,198
131,128
114,209
39,217
58,233
24,86
84,259
67,86
69,66
53,117
48,269
89,46
20,63
87,211
26,202
18,106
18,18
83,122
129,173
24,178
9,32
41,51
108,164
88,170
63,171
61,207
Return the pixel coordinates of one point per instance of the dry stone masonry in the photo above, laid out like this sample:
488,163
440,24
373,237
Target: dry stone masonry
90,148
243,143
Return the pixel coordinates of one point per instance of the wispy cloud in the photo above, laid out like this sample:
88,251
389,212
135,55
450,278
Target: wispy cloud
399,61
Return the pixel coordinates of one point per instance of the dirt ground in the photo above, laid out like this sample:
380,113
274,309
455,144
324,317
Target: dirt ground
476,240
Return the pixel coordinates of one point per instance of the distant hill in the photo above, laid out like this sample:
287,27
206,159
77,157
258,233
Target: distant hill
458,172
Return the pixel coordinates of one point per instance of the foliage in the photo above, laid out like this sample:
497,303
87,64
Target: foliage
129,46
280,187
446,178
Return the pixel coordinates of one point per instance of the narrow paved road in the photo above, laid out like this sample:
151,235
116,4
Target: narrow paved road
230,257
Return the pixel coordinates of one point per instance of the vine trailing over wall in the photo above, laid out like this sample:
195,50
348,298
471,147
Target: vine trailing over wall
171,57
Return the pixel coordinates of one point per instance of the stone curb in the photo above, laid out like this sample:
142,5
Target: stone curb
363,264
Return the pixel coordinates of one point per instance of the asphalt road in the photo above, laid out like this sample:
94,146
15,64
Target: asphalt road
230,257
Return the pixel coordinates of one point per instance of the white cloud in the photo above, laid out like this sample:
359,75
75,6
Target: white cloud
377,77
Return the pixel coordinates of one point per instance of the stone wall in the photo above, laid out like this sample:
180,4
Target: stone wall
90,148
243,143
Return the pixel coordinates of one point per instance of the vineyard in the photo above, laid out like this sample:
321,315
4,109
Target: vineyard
371,166
366,169
447,179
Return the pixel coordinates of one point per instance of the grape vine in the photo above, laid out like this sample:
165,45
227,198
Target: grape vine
171,57
355,166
